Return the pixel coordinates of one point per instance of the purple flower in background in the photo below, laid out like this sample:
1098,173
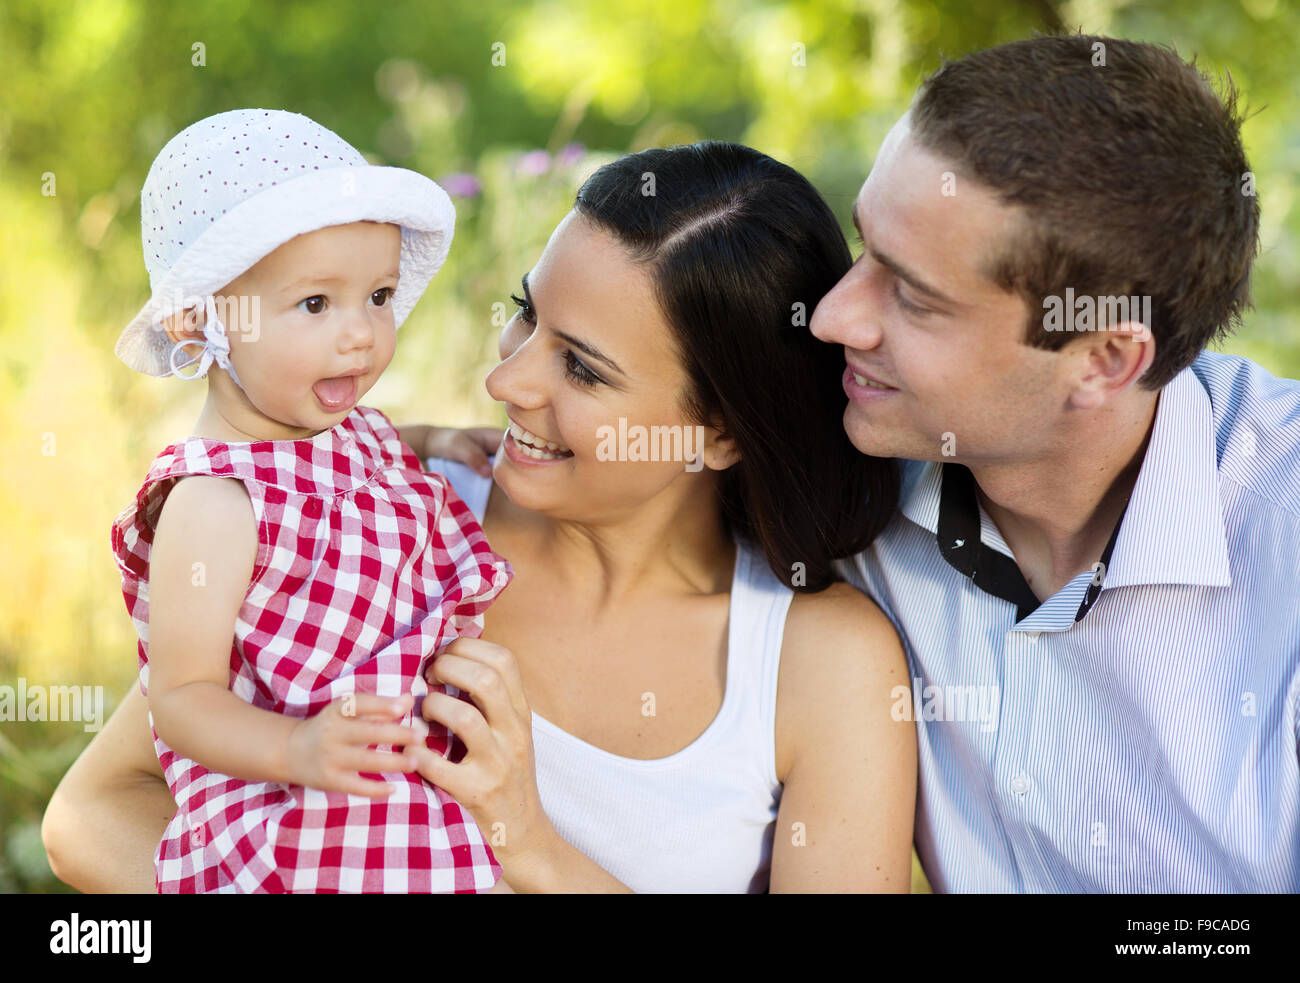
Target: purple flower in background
570,154
461,185
533,163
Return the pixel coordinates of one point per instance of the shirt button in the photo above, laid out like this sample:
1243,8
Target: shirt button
1031,636
1020,785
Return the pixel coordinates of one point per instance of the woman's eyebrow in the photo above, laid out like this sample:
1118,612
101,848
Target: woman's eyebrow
577,343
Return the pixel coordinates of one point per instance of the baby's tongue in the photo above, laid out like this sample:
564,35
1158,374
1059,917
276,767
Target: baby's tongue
335,390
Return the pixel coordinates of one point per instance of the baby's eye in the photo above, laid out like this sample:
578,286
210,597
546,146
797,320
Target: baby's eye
383,295
312,305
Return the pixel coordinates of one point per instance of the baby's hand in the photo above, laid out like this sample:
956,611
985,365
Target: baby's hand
470,446
329,750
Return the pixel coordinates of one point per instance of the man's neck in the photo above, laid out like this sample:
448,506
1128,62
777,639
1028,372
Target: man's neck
1057,513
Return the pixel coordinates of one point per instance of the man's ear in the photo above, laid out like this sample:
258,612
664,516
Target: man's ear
185,325
1112,360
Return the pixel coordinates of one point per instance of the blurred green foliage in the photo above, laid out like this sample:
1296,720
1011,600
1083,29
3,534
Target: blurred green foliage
512,94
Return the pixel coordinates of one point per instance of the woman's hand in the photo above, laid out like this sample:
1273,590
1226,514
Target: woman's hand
495,780
470,446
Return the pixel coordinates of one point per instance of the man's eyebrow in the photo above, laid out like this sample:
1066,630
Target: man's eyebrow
900,271
577,343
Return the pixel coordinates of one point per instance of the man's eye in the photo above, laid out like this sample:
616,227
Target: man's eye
312,305
906,304
382,296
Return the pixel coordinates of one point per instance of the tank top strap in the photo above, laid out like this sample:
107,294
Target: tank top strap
759,605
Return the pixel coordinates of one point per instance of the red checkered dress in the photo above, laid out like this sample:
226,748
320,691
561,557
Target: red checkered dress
366,565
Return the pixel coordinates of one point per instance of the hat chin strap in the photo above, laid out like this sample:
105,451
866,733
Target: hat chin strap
216,348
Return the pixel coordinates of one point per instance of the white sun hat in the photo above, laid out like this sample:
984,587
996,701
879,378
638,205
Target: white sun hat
230,189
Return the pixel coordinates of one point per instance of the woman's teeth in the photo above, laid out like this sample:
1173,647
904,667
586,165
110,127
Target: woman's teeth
864,381
533,446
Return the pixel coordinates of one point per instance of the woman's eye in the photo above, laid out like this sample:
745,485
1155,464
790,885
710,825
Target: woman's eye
573,366
312,305
525,309
382,296
578,372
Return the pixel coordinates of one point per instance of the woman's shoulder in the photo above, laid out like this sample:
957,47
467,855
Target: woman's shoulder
840,655
838,623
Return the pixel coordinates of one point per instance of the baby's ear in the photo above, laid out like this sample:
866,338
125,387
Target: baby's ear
185,325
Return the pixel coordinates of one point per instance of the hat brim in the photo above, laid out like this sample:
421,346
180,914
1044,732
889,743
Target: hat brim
257,226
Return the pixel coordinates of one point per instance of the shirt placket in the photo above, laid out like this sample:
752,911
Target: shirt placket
1014,786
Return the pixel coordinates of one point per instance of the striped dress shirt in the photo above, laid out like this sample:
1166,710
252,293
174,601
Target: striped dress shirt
1138,730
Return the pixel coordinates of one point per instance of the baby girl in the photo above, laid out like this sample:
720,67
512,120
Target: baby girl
289,567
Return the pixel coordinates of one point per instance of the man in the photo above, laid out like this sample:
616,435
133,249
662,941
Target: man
1096,568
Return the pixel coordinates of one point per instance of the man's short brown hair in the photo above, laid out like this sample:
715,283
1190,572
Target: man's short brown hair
1130,171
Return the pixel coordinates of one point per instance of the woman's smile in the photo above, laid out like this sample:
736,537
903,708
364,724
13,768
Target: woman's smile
533,442
529,450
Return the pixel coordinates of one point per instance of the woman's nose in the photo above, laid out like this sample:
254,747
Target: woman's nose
518,379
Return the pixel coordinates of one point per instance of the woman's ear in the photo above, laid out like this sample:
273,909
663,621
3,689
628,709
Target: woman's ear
185,325
718,448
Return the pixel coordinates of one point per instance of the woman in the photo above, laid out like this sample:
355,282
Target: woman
673,694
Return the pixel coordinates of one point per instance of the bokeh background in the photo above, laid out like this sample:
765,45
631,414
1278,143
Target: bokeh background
92,90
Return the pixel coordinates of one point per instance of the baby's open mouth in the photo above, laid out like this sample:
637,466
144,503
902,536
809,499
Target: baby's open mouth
336,393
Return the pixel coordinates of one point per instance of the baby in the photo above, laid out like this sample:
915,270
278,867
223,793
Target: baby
289,567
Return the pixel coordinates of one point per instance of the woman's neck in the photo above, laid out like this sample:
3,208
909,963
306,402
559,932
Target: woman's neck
674,546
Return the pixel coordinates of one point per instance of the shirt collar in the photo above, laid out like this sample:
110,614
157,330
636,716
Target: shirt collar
1172,531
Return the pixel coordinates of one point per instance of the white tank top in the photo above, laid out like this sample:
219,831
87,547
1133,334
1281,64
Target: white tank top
702,819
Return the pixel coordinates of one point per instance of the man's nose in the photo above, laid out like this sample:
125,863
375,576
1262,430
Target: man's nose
848,315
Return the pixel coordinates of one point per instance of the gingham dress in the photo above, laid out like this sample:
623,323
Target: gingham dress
366,565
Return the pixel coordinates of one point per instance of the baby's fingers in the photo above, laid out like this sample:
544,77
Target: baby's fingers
356,705
471,447
366,732
487,438
377,762
356,785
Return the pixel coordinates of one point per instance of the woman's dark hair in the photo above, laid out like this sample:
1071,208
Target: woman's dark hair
740,249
